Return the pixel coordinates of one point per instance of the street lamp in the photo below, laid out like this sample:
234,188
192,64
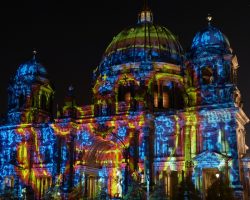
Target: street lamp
217,175
147,179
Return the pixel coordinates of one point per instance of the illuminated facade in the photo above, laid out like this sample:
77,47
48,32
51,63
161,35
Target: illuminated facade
160,115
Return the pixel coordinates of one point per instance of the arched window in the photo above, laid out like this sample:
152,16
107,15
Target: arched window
178,98
172,96
104,107
120,93
156,100
165,99
207,75
167,95
126,92
21,100
50,106
43,102
127,96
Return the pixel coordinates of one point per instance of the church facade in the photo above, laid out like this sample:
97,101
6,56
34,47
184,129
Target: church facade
159,116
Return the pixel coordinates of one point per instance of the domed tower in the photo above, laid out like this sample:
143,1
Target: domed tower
30,95
141,67
211,86
211,70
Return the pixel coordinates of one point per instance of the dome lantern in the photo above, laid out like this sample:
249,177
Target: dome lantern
145,16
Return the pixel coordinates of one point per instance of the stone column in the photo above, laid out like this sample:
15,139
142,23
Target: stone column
148,131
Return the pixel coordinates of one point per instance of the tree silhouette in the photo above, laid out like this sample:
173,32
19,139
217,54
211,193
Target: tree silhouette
220,190
159,193
135,192
187,191
8,193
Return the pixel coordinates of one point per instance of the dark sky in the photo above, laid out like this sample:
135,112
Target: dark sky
70,37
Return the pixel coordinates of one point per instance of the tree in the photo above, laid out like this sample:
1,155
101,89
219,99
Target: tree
8,193
53,192
220,190
159,193
186,191
135,192
102,194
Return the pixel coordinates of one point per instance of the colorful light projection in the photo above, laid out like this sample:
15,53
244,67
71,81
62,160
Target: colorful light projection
154,120
30,157
66,149
103,143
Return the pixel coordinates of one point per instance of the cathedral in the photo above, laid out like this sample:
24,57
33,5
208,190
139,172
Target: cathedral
160,117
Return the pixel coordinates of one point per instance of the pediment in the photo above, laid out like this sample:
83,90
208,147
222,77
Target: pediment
210,156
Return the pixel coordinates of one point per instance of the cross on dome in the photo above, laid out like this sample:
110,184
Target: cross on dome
34,52
71,88
209,19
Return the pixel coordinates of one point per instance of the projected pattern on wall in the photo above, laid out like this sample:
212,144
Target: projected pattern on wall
159,115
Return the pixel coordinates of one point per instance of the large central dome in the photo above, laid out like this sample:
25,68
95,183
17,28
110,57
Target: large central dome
143,42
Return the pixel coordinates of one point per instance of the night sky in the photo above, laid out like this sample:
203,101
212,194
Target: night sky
71,37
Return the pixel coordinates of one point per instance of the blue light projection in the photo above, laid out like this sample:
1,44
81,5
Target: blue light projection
158,116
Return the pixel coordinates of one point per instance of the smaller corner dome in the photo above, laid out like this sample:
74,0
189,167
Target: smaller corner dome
210,37
30,70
